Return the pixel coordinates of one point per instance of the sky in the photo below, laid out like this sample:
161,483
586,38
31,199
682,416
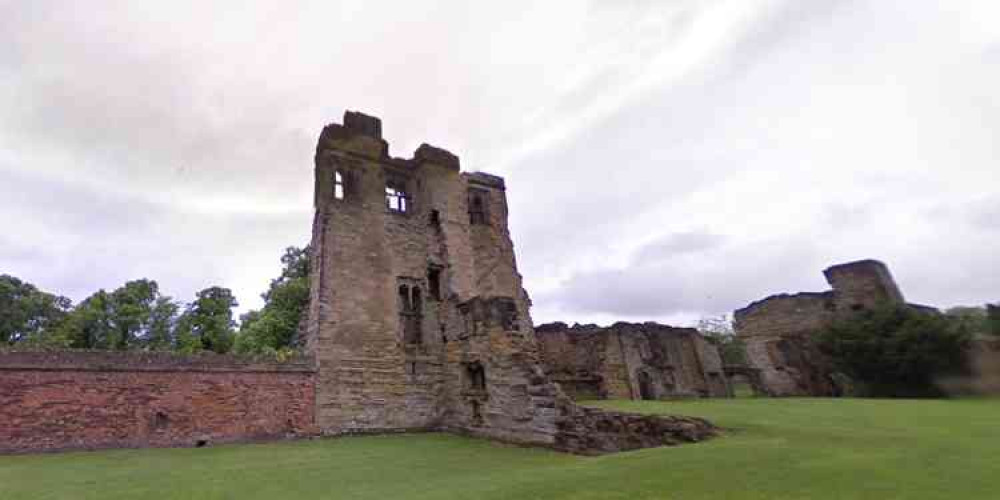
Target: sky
665,160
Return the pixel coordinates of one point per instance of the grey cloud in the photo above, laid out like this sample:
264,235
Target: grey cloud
677,244
707,283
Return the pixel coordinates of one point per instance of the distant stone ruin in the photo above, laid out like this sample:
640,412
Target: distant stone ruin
777,330
631,361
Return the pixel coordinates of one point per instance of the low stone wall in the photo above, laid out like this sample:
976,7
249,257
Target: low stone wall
86,400
595,431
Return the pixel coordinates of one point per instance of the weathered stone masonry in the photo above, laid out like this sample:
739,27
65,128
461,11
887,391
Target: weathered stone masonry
418,318
777,330
64,400
631,361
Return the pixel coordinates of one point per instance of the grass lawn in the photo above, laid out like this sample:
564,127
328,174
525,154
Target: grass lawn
776,448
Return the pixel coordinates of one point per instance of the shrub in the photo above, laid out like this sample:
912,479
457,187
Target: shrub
896,351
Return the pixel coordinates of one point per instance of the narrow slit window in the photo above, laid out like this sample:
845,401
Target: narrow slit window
338,185
434,283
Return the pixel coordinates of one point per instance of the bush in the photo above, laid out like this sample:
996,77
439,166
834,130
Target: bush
896,351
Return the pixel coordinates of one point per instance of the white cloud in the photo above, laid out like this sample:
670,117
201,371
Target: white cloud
693,156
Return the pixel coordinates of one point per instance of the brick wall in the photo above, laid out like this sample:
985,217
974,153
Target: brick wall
84,400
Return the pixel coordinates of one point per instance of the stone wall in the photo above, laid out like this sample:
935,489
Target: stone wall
778,330
631,361
74,400
418,318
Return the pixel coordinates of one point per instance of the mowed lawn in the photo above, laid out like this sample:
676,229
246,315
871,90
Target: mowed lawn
774,448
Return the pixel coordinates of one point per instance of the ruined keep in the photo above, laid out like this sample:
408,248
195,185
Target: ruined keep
418,318
631,361
417,321
777,330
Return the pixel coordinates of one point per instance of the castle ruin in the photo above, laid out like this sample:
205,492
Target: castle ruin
418,318
632,361
417,321
777,330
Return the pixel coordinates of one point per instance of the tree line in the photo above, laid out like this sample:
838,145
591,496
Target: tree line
137,316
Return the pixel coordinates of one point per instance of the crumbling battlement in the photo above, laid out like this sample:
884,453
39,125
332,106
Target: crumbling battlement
777,330
418,318
631,361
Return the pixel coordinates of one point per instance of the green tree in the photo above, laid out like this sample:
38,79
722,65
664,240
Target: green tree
896,351
88,325
973,319
719,331
133,316
28,314
162,321
273,329
207,323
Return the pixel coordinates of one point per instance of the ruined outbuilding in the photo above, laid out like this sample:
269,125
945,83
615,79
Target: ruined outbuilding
631,361
777,330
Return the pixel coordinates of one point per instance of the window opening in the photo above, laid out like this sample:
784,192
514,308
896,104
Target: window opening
508,315
476,376
404,298
411,314
338,185
434,283
477,206
396,199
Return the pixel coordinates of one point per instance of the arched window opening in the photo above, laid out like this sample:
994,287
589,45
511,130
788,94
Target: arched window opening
475,376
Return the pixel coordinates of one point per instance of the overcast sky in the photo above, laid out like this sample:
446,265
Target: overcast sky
665,159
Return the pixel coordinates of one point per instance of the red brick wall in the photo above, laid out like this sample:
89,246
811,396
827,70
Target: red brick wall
64,400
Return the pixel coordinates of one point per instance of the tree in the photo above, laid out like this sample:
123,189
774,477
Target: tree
719,331
162,321
28,314
130,317
895,350
273,329
207,323
973,319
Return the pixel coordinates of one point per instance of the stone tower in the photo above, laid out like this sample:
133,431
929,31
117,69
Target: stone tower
418,319
862,284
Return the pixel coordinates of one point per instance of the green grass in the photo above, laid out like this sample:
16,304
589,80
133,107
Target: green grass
776,448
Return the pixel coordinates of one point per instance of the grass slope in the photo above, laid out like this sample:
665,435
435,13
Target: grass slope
776,448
